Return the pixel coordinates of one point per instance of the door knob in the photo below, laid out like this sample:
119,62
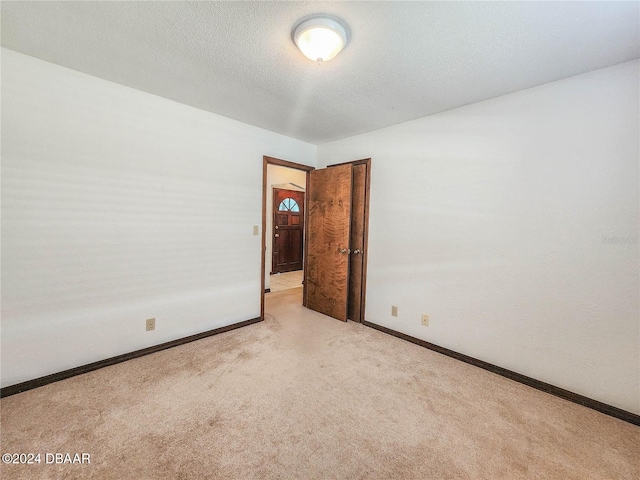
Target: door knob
345,250
356,251
277,235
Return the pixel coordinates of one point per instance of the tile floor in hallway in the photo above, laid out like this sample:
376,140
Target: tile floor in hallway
285,281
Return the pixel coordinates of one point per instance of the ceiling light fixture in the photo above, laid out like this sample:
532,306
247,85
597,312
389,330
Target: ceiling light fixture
320,38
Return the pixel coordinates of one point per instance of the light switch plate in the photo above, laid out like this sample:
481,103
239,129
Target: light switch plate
256,230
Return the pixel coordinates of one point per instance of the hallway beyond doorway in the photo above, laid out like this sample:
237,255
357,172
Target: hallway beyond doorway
285,281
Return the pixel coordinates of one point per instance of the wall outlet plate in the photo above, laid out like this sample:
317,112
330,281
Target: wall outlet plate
425,320
394,311
151,324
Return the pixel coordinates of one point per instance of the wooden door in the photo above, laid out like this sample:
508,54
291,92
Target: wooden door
288,228
356,271
328,227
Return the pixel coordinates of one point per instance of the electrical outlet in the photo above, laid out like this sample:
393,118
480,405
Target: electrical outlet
151,324
394,311
256,230
425,320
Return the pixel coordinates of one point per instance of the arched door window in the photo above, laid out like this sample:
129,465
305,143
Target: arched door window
289,205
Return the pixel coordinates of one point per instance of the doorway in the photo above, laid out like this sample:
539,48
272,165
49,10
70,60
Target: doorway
277,175
334,214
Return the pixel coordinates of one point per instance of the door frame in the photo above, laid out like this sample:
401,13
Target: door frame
367,196
266,160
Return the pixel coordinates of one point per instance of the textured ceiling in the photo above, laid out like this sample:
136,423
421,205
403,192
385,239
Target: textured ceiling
405,59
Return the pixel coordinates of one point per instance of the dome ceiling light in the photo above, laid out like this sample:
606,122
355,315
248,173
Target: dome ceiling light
320,38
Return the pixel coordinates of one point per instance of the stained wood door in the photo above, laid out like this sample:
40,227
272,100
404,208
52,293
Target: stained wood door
328,227
356,272
288,228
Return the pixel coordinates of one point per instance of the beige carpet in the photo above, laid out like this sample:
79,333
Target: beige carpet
305,396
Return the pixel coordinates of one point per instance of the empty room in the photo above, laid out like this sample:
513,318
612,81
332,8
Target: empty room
320,240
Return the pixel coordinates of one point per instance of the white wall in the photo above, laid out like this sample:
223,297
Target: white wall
277,175
513,223
117,206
